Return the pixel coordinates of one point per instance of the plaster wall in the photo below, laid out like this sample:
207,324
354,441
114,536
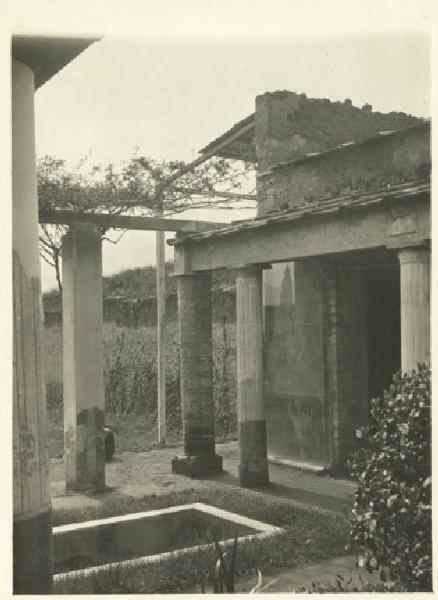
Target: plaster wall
372,165
294,386
318,376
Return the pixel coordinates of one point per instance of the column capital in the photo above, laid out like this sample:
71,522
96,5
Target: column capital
414,254
83,231
251,269
191,274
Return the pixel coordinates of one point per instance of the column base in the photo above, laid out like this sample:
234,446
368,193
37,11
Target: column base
32,550
198,466
253,467
253,479
84,451
85,487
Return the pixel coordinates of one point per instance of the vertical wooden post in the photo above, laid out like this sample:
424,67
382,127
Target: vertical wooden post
160,271
32,528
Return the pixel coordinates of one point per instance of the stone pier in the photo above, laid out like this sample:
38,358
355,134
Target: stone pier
32,527
415,306
253,462
84,402
194,322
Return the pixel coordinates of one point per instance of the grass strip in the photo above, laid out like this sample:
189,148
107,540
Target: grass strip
310,536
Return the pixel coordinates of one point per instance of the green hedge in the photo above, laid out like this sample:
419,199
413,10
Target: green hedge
392,510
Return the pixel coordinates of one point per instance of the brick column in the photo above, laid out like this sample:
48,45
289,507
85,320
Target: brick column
32,527
415,306
84,402
253,461
195,336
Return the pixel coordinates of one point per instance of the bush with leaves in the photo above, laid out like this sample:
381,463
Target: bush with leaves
391,518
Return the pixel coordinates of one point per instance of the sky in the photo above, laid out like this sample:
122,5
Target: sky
184,82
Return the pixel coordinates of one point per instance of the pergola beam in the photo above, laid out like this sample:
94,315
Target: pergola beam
216,194
66,217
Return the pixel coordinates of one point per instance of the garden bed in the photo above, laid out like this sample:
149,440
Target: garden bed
308,536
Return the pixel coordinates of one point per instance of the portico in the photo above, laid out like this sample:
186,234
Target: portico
346,230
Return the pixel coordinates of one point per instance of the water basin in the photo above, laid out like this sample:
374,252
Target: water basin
81,549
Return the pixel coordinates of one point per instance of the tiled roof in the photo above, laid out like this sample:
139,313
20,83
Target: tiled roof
354,200
425,124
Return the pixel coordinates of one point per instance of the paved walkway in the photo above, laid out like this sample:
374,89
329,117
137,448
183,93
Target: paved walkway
139,474
287,482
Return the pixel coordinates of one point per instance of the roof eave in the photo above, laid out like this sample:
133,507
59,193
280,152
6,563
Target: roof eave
236,143
47,55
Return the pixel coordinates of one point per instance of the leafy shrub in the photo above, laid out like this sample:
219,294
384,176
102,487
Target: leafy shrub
391,518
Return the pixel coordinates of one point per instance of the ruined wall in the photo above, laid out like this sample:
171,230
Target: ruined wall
375,164
289,125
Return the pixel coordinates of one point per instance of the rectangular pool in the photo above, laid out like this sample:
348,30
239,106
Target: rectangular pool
139,538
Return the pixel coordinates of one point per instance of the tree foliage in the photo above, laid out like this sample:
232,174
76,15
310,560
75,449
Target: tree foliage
140,186
392,511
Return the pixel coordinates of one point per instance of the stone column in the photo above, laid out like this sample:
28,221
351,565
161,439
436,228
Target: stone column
195,336
253,461
32,528
415,306
84,402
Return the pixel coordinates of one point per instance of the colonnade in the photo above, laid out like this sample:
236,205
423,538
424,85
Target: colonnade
194,309
195,330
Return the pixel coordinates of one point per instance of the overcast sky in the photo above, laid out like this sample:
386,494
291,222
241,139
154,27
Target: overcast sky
175,89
